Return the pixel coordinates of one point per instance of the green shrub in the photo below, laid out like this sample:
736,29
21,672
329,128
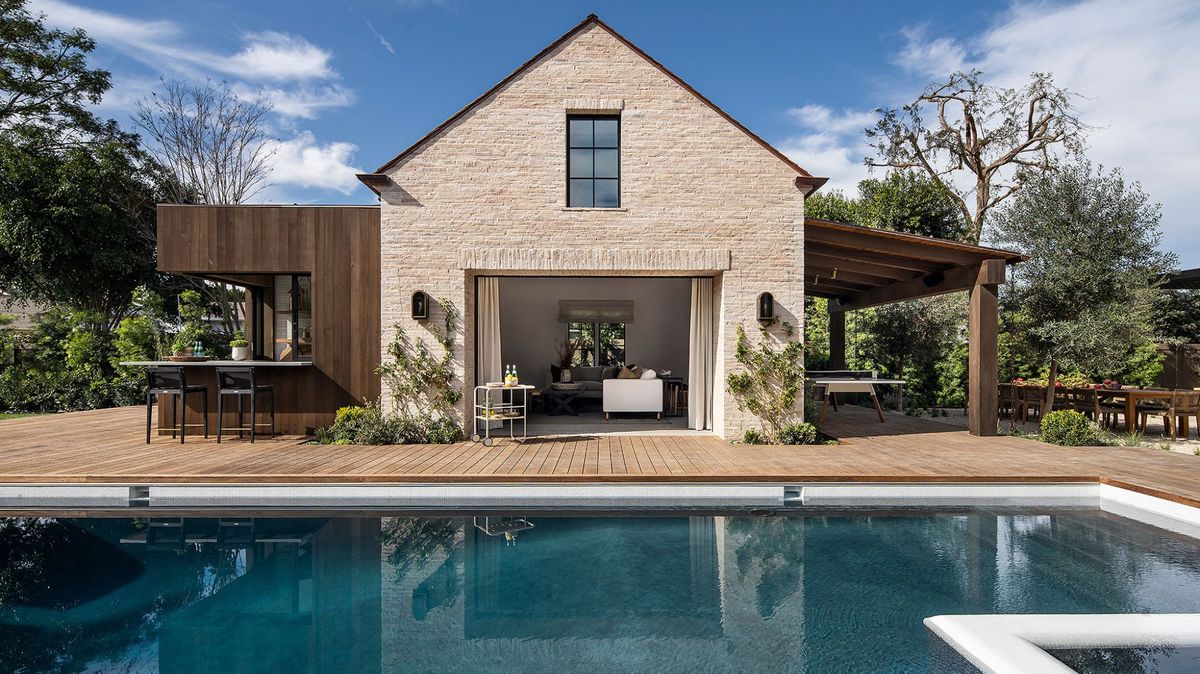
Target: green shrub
1070,429
368,425
753,437
239,340
798,434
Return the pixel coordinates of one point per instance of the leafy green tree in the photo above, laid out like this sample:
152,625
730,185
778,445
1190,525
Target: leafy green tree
908,339
45,81
77,225
1092,241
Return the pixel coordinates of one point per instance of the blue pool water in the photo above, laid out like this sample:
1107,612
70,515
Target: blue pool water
820,592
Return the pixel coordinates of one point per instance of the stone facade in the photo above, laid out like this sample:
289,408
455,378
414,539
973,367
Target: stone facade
487,195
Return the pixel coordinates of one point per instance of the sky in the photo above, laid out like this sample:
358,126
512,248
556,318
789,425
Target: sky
354,82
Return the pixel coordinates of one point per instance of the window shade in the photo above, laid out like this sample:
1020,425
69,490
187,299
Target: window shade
595,311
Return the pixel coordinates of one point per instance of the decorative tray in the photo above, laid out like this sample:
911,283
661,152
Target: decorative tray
187,359
567,387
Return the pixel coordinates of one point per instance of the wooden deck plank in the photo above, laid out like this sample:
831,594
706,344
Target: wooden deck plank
109,446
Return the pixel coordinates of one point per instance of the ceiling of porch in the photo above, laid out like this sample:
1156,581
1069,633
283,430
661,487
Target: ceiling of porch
862,266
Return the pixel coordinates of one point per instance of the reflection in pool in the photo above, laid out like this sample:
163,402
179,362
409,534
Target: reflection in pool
832,591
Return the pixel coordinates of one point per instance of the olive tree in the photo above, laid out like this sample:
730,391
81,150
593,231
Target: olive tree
1088,285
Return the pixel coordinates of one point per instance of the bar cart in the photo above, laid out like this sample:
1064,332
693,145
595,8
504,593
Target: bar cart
512,410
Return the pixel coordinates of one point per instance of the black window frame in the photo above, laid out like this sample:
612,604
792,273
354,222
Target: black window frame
593,147
595,351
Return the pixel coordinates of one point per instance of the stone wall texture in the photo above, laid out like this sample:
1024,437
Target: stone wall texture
487,195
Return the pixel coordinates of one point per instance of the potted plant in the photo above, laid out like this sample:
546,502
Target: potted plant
240,346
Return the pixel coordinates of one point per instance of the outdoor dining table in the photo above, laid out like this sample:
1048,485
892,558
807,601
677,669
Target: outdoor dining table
1135,395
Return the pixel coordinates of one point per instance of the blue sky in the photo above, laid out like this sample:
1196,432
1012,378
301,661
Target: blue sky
354,82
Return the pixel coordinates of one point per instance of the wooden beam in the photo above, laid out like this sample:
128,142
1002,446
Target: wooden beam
989,272
824,259
916,248
983,324
837,340
842,288
836,273
847,252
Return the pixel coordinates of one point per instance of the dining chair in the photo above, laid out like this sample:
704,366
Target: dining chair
243,383
172,381
1183,405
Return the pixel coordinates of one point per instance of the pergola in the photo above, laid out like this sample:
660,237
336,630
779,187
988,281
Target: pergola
857,267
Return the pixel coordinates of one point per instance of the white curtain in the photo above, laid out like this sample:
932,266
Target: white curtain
491,365
700,355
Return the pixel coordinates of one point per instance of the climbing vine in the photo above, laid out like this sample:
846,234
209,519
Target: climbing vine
420,375
770,383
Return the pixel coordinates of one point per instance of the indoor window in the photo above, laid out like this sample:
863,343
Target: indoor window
593,161
597,343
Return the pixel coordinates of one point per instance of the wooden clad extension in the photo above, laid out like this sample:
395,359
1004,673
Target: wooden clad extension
52,449
338,246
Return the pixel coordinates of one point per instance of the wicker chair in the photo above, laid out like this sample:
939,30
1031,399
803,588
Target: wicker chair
1085,401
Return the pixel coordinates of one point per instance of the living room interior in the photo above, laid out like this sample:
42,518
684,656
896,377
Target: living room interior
607,354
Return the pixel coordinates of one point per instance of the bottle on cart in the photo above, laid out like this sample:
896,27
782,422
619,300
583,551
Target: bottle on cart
516,380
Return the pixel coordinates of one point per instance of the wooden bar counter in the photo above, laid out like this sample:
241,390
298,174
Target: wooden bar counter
306,398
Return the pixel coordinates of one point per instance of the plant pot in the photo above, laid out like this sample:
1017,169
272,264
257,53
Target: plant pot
241,353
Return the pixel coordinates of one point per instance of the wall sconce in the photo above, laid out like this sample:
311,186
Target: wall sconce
766,308
420,306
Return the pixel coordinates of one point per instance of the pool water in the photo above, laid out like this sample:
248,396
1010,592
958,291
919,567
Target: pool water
832,591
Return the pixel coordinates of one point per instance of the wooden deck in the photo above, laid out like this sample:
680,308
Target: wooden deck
107,446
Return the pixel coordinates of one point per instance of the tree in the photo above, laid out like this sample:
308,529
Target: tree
902,201
212,143
77,224
907,339
985,142
216,150
1087,287
45,82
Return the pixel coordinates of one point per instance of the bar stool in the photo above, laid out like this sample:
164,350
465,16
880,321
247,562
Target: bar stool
241,382
172,381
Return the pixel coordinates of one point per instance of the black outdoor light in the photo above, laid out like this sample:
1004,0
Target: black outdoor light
766,308
420,306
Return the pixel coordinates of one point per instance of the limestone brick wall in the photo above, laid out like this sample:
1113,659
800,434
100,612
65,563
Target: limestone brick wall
487,195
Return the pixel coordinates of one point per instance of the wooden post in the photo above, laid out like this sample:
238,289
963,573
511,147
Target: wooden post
983,325
837,340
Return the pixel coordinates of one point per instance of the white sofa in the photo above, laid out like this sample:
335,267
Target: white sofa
633,395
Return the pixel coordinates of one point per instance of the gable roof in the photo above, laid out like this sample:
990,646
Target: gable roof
375,180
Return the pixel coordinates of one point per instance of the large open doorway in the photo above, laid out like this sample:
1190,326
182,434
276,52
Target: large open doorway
607,354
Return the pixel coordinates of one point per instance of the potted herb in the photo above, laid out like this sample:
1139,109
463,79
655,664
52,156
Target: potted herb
240,346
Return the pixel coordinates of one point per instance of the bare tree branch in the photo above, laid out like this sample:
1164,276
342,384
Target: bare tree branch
993,136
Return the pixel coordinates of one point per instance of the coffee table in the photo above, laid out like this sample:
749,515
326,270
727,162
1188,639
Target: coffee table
558,401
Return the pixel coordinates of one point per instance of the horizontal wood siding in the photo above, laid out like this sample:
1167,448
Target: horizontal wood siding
338,246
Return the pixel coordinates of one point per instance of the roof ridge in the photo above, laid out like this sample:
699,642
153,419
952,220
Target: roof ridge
805,177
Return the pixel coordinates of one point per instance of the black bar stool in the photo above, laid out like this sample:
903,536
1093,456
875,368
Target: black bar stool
172,381
241,382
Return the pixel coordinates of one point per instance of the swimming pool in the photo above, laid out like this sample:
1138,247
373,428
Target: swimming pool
813,590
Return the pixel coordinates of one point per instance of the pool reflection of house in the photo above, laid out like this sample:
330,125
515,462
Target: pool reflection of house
299,607
534,591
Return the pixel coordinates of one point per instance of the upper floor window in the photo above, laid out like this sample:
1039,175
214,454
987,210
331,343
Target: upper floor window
593,161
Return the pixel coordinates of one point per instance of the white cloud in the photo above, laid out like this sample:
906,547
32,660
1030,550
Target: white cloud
1133,65
382,40
832,144
275,56
303,162
269,62
933,58
302,102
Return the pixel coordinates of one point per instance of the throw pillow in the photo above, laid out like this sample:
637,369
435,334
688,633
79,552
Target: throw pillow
649,374
626,373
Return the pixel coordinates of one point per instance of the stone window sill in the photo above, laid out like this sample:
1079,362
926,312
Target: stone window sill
601,210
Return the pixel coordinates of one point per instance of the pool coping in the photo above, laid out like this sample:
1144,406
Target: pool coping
1136,505
1017,643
